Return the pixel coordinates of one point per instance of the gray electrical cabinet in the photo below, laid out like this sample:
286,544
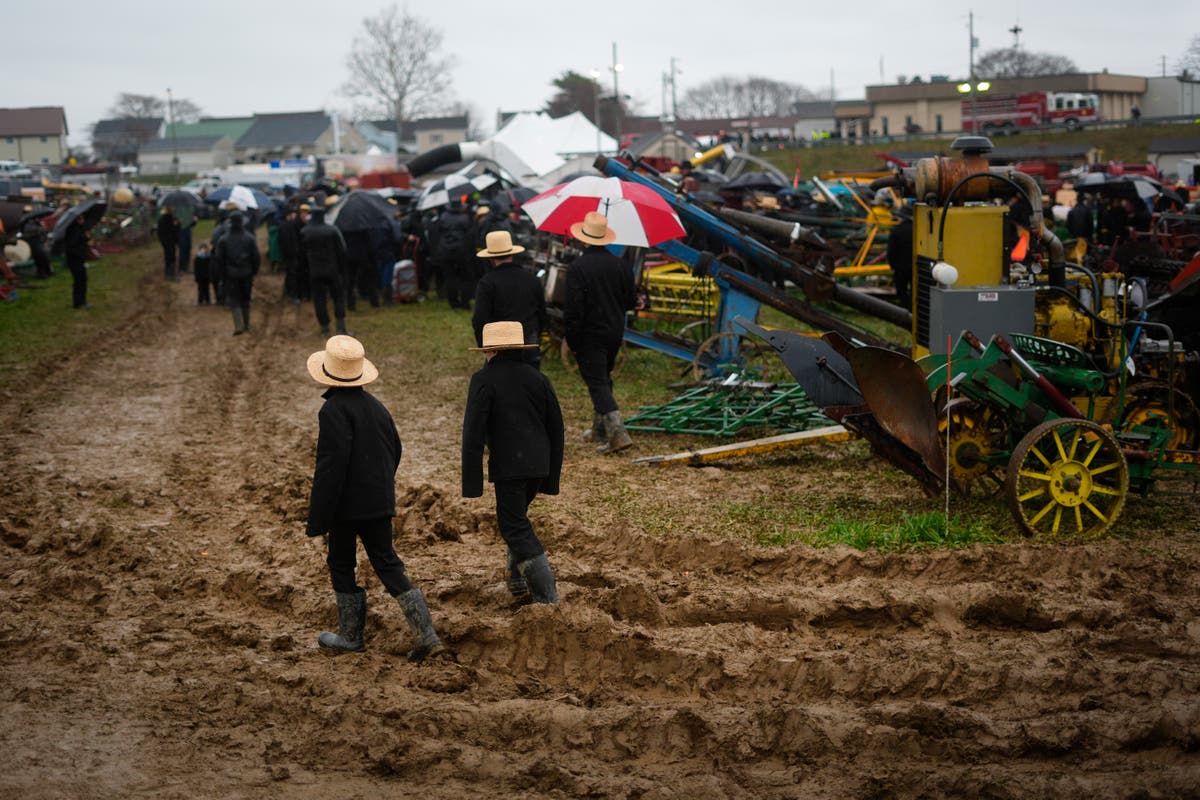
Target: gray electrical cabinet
983,310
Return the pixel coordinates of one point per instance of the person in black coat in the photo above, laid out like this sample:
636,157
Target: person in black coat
600,290
1079,219
35,236
513,411
508,291
75,251
354,496
452,248
168,237
237,258
324,250
900,255
289,251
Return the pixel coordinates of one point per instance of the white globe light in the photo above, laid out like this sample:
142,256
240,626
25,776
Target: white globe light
945,274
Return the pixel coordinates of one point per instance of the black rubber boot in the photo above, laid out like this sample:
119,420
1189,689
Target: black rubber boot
618,437
325,329
540,577
515,581
596,432
239,322
352,618
341,327
420,625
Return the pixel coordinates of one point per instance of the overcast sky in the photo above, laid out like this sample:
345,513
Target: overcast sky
237,57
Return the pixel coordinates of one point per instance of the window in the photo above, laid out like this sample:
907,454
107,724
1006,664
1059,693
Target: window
938,122
435,138
9,140
884,122
1059,103
42,139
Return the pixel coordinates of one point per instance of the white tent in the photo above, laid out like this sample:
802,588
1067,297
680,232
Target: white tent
534,149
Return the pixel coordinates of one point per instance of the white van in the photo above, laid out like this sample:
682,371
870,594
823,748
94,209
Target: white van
14,170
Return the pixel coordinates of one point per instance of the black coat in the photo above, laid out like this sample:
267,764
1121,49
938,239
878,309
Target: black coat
324,249
75,242
237,254
510,292
1079,222
450,236
168,230
358,451
289,240
599,291
511,408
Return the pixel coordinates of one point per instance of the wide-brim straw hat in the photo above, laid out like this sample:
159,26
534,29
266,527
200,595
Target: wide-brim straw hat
342,363
503,336
499,245
594,230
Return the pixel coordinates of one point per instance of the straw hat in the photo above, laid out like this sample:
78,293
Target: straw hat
499,245
342,363
594,229
504,336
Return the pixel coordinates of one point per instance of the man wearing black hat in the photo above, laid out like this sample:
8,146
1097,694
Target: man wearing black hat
325,251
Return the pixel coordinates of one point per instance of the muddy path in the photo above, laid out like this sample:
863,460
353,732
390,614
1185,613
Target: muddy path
160,607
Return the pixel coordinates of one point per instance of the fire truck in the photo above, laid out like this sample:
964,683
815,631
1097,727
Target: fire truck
991,114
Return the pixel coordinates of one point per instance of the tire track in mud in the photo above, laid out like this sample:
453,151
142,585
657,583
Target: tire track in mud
162,604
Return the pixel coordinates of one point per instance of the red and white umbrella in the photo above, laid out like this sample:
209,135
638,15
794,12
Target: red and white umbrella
638,214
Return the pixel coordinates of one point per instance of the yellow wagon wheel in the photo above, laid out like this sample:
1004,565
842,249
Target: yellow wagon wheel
976,451
1067,477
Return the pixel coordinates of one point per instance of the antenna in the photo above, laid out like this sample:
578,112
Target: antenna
1015,30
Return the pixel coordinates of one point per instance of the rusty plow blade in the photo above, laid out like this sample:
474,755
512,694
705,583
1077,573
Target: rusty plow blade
879,394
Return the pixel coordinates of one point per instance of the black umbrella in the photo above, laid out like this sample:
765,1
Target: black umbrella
37,213
761,181
92,210
179,198
360,211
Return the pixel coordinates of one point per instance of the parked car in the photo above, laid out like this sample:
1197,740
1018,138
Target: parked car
14,170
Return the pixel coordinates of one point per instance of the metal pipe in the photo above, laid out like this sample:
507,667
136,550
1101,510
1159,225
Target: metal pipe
782,229
759,253
1060,401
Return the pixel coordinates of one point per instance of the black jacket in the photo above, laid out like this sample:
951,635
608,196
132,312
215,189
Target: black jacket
75,242
289,240
450,236
510,292
237,253
599,291
323,248
511,408
168,230
358,451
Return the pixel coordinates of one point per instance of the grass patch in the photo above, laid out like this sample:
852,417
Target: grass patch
882,530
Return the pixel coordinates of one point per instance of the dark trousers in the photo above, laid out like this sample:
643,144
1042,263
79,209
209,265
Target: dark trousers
169,251
460,283
41,259
78,281
291,288
185,248
237,292
202,282
376,535
512,517
322,288
596,363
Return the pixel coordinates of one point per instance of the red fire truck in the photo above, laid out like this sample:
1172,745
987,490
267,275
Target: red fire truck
1009,113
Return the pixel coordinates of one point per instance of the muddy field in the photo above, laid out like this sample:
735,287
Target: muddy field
161,603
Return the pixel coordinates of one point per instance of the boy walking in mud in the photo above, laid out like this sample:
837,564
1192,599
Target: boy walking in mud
354,496
512,409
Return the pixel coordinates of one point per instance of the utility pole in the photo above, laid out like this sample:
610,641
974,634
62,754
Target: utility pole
619,109
1015,30
596,106
174,135
974,44
675,70
1164,66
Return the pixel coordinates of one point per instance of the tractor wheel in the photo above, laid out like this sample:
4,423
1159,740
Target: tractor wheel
1151,404
978,435
1067,477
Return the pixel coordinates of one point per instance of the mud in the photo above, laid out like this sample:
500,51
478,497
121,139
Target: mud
160,605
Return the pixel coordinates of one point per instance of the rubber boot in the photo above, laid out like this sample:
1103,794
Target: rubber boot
325,329
515,581
420,625
618,437
540,578
341,327
352,618
239,323
596,432
246,319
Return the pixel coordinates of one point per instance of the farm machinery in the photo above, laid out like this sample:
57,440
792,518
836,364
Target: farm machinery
1061,387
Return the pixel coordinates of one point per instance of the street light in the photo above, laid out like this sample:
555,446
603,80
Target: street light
595,73
973,89
616,70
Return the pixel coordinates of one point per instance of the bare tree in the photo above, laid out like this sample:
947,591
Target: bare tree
732,96
137,106
475,127
1189,62
1013,62
185,111
396,67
